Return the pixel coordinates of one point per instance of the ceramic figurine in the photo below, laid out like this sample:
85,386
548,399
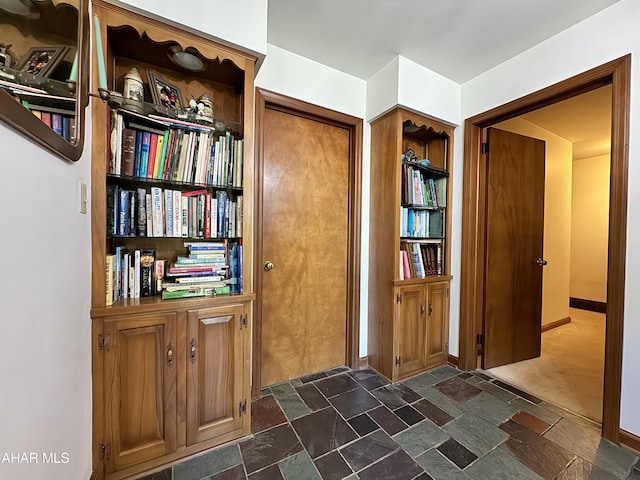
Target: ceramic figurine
133,86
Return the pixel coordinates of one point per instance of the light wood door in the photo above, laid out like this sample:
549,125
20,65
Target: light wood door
515,221
305,210
215,371
410,330
140,388
437,323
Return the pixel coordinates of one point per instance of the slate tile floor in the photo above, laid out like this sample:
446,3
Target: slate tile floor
443,424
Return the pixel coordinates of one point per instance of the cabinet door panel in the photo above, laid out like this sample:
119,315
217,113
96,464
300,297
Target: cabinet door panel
140,389
437,323
215,370
410,324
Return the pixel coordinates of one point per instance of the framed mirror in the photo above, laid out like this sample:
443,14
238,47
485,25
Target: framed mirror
44,71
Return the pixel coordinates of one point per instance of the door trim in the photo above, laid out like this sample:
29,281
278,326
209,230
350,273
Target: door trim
266,99
616,73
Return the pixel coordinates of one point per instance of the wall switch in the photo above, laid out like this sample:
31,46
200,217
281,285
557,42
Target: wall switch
83,197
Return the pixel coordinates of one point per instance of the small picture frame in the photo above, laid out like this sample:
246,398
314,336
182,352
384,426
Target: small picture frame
164,93
42,61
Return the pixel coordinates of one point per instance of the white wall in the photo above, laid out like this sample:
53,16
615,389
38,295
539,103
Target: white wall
608,35
45,405
557,217
590,228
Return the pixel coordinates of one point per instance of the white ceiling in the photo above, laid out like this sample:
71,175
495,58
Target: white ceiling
456,38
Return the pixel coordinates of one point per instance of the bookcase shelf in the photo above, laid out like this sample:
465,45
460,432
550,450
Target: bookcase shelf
409,270
140,214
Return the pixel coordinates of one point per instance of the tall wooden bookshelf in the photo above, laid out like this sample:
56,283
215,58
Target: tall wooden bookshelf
171,377
410,213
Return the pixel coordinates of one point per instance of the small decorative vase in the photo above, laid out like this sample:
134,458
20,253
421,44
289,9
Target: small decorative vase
133,86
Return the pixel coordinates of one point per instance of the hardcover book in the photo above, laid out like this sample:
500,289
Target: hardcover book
128,151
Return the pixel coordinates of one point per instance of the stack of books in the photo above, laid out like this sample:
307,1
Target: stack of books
203,272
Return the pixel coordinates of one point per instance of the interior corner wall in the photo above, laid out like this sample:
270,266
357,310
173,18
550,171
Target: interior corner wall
45,328
557,217
590,228
382,90
610,34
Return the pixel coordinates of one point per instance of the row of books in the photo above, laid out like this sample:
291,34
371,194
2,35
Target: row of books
132,274
419,190
161,212
421,259
421,223
165,150
63,125
210,268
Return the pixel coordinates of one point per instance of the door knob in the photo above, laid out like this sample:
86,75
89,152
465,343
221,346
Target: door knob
540,262
268,265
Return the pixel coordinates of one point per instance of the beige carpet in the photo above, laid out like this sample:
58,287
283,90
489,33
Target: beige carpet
569,373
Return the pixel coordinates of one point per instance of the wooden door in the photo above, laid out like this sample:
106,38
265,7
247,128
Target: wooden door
409,330
305,215
215,371
140,364
515,221
437,348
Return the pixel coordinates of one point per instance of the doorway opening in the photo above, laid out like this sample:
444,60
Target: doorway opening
616,74
569,371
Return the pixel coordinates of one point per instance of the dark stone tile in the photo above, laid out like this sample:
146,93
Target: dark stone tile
409,415
483,376
457,453
388,420
423,476
580,469
465,375
299,466
389,396
363,425
634,475
362,373
313,377
335,371
162,475
323,431
312,397
444,372
269,447
397,466
332,467
475,433
372,382
457,390
266,413
354,402
432,412
209,463
234,473
536,452
269,473
405,393
335,385
368,449
421,381
282,390
531,422
439,467
517,391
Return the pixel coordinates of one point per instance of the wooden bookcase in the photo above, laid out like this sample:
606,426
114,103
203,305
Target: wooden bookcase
409,314
170,377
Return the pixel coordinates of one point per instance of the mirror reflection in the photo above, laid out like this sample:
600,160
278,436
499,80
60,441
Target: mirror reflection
39,66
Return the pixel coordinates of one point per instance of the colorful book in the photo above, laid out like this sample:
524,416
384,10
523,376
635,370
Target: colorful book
128,151
144,154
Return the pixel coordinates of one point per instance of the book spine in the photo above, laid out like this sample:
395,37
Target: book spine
168,209
153,147
159,274
109,275
125,275
136,274
156,210
177,213
148,210
128,151
144,154
142,212
147,267
56,123
123,213
184,201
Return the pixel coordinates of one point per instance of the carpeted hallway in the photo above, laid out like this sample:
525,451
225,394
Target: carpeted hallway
569,373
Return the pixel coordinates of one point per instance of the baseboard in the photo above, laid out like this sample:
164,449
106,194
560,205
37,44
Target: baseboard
556,324
451,360
629,441
362,362
590,305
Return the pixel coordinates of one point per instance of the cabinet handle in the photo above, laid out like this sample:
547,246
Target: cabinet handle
430,309
192,356
170,355
421,309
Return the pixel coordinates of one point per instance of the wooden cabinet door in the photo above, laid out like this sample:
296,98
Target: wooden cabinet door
437,323
216,397
410,330
140,388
